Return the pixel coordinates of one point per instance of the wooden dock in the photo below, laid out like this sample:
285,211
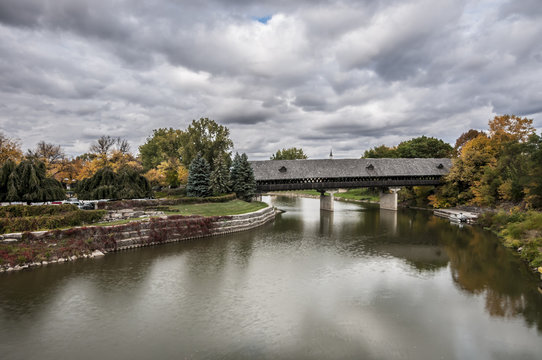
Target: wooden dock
457,215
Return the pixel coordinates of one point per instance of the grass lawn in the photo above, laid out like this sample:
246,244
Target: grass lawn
234,207
358,194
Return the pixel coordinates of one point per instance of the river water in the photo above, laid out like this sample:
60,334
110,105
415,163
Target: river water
358,283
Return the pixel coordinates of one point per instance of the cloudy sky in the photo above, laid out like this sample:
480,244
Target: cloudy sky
314,74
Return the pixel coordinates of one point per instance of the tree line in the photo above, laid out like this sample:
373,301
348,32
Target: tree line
110,170
502,164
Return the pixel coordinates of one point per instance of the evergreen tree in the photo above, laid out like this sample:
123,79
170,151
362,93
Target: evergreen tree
243,182
198,178
235,170
220,177
28,182
106,184
5,171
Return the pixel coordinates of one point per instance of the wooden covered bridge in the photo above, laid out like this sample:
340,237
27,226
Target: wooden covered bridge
332,174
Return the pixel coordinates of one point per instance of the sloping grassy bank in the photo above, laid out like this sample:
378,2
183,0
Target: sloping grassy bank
233,207
519,230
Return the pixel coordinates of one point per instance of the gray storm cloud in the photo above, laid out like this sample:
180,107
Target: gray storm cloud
311,74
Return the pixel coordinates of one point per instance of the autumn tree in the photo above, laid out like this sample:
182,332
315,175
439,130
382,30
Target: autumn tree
161,157
466,173
52,156
490,168
102,148
168,174
507,128
503,178
9,149
107,151
292,153
465,138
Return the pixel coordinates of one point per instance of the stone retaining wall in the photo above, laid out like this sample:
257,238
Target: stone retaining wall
146,232
227,225
125,214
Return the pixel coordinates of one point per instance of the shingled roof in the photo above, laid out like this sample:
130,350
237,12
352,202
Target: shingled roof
344,168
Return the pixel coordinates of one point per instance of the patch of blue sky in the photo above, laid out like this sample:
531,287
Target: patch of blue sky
263,19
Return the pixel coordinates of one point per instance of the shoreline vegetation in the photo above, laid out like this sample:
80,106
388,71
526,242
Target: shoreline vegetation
518,230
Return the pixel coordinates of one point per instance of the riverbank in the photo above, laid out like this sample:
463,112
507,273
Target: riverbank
519,230
33,249
352,196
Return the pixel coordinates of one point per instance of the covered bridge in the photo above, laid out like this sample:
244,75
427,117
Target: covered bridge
329,174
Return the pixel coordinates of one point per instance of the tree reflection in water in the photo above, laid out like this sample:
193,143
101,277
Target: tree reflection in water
481,265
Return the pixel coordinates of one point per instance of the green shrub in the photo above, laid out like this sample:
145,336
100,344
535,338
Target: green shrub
36,210
67,219
532,252
175,192
135,204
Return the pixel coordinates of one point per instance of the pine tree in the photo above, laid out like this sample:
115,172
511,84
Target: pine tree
198,178
235,167
220,177
244,184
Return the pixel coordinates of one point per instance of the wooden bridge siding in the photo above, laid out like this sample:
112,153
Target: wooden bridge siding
306,184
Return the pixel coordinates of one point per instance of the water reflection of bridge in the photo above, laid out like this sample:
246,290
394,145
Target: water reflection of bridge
331,174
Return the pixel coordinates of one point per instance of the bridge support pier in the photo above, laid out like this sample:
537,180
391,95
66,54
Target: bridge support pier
326,202
388,199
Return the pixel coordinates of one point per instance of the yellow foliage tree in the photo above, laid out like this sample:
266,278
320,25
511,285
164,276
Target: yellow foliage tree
9,149
488,168
508,128
182,174
156,177
120,160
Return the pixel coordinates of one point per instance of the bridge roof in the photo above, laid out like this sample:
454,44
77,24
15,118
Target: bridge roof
342,168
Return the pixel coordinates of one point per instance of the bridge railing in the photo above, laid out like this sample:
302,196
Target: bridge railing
345,183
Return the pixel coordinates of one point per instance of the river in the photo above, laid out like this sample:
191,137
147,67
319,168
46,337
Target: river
357,283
